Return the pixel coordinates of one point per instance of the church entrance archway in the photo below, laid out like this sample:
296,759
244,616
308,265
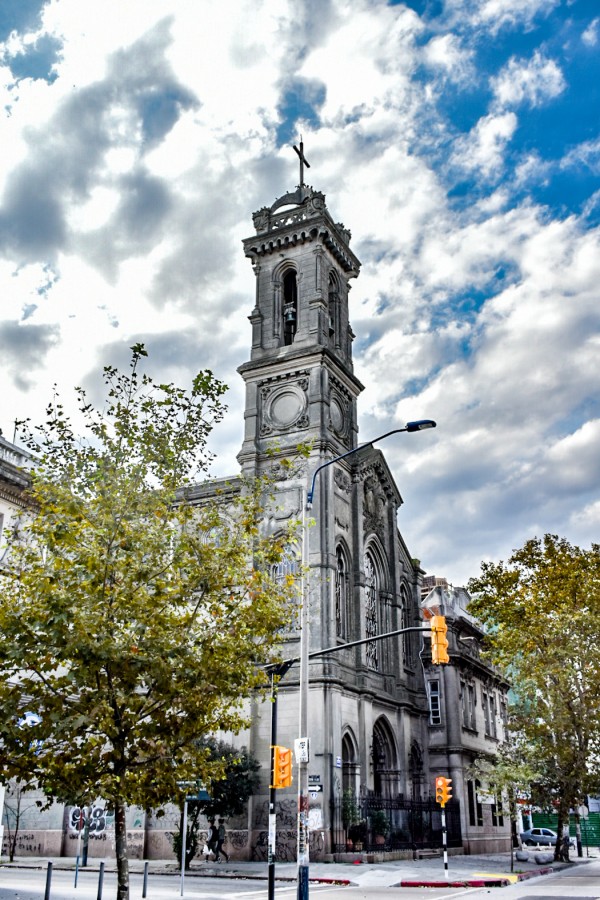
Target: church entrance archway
385,767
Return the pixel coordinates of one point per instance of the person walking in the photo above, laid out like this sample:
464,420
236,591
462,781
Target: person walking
212,840
222,834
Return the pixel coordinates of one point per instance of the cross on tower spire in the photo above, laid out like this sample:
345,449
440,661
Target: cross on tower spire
303,161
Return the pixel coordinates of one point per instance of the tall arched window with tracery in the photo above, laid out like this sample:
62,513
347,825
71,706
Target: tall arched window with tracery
342,593
372,586
408,642
334,307
288,567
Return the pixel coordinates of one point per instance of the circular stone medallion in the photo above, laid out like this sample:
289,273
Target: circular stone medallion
286,406
336,414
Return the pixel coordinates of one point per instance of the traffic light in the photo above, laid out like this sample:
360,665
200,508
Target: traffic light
439,643
443,791
282,768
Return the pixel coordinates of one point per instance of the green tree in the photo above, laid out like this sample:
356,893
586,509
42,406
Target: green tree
234,780
132,621
542,614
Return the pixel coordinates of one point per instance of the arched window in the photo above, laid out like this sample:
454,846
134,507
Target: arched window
378,610
384,760
350,765
408,642
415,768
290,307
334,306
372,588
288,566
342,593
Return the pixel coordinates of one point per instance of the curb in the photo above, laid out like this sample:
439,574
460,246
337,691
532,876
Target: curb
477,882
193,873
467,882
547,870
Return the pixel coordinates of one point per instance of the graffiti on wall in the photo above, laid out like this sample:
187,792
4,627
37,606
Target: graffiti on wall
100,820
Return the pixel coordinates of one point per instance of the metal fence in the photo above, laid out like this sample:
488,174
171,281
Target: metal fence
590,827
395,824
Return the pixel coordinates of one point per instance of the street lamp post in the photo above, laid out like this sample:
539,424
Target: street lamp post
303,833
275,672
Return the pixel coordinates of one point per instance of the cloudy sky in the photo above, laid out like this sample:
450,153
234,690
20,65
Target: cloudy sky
459,140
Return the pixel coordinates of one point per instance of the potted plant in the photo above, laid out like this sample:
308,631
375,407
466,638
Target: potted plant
350,816
358,834
380,826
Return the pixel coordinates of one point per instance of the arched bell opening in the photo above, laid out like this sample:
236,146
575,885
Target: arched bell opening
290,307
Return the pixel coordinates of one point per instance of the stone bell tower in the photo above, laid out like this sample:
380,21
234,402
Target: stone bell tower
300,385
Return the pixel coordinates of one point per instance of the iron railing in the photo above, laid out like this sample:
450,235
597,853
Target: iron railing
394,823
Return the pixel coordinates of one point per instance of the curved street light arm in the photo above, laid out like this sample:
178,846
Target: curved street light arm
419,425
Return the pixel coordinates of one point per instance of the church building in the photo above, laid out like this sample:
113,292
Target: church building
368,712
377,738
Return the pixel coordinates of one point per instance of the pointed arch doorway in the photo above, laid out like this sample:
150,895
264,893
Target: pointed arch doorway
385,766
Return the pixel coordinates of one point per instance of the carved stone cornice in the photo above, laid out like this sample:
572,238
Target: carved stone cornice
308,220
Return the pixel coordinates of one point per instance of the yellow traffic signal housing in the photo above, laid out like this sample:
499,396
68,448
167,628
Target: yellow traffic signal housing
443,791
282,770
439,643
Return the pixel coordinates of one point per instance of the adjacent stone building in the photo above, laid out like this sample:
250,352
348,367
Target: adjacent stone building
14,464
467,703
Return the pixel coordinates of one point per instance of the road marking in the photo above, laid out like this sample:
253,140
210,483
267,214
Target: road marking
458,893
512,878
283,890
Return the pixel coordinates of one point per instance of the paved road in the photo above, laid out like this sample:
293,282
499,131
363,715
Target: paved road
28,884
369,882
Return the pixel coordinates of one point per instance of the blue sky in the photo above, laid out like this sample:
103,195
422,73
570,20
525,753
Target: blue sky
459,140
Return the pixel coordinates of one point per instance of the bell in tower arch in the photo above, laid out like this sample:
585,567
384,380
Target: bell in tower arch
290,307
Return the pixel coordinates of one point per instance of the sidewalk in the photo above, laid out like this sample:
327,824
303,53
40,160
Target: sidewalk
486,870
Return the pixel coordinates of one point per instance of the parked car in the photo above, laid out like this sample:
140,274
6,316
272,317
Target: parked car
542,836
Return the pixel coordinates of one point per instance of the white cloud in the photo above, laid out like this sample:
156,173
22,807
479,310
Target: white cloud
482,150
374,56
496,15
590,34
532,81
586,154
444,52
128,184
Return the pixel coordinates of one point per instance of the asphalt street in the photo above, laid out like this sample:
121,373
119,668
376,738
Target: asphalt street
473,876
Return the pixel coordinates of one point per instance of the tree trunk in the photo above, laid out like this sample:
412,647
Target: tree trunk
559,831
512,814
561,851
191,845
578,835
121,851
12,836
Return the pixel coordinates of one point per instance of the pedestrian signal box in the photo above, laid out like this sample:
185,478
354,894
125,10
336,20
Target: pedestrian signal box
443,790
282,767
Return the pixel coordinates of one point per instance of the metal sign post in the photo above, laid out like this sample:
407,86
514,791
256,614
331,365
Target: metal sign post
78,845
183,843
444,842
